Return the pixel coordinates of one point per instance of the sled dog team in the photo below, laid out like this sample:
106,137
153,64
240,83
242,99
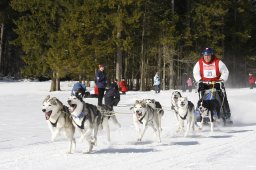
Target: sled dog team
88,118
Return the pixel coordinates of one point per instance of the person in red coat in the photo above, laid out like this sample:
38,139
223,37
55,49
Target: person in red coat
251,80
123,86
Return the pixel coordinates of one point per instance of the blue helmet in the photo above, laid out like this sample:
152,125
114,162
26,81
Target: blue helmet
208,51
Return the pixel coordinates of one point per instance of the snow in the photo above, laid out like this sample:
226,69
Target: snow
25,138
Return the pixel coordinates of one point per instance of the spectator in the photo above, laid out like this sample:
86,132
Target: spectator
101,82
251,80
190,84
157,82
112,96
78,90
123,86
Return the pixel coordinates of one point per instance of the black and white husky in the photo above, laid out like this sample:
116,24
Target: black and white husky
207,108
186,114
144,115
86,118
59,120
174,102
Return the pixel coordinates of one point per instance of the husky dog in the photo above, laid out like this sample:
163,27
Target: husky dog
108,114
157,107
58,119
145,115
207,108
186,113
174,101
86,118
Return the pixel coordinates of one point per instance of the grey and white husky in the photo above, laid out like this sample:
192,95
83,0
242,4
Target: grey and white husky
86,118
59,120
145,115
158,109
186,115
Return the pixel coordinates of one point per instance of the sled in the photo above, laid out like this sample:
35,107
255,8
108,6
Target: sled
214,95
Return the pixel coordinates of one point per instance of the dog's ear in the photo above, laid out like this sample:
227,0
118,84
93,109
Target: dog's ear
179,93
54,100
47,98
59,102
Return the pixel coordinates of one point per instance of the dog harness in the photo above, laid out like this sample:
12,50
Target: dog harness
54,124
183,118
82,114
140,120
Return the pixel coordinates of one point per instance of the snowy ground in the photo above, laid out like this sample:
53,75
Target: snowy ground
25,138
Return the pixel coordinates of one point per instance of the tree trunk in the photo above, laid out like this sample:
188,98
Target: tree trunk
118,63
171,82
53,82
1,45
164,64
125,65
142,68
57,82
159,64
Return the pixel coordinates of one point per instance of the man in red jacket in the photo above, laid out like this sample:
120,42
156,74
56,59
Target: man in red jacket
210,72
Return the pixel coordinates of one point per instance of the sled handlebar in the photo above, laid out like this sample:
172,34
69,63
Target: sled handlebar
209,85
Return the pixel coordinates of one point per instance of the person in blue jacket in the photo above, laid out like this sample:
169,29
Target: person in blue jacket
78,90
101,82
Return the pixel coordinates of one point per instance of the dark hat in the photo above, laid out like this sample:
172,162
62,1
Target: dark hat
208,51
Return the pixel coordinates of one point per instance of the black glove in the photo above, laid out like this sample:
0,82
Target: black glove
200,86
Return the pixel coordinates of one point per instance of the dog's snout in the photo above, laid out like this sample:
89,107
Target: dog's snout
137,111
69,101
43,110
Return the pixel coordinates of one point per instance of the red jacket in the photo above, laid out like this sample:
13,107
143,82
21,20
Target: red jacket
96,91
122,85
251,79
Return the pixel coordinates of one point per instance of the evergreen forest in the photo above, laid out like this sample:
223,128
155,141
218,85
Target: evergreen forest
134,39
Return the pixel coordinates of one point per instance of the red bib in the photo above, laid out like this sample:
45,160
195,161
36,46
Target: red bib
209,71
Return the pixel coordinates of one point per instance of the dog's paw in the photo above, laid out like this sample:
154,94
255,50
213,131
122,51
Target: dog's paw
86,152
93,142
68,152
